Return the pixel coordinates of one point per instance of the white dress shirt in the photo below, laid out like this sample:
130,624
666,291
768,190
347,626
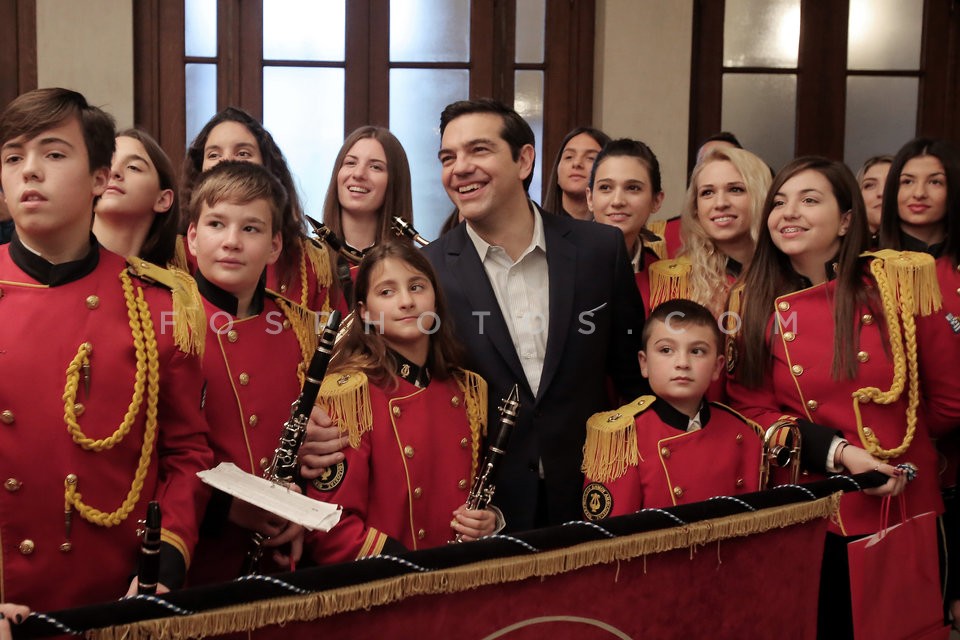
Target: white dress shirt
522,289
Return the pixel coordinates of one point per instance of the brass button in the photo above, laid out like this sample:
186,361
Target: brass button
244,379
783,305
27,547
812,405
958,291
66,547
789,336
462,484
418,492
395,410
866,318
408,451
286,324
71,479
7,417
78,409
863,356
797,370
867,431
739,483
93,302
264,463
421,534
678,491
283,288
464,443
863,398
739,438
12,484
455,401
253,420
232,335
665,452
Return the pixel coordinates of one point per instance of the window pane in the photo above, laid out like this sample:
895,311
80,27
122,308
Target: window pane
531,23
417,96
309,128
761,33
201,97
871,131
885,34
761,110
304,30
429,30
528,101
200,28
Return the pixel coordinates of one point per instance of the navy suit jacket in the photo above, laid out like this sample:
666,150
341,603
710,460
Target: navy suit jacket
596,318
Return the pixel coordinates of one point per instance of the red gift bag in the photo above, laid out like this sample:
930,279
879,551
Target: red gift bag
895,580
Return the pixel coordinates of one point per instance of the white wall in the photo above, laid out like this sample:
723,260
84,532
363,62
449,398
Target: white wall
87,45
642,82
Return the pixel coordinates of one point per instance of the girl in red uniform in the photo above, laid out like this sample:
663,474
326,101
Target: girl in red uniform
826,340
414,417
138,214
624,191
303,272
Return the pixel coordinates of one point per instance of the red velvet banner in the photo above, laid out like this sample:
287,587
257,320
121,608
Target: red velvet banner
759,586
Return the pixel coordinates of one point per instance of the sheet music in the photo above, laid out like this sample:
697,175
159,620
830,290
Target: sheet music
290,505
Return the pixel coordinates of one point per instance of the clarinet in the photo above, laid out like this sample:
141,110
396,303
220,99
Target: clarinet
326,236
403,228
283,466
481,494
148,573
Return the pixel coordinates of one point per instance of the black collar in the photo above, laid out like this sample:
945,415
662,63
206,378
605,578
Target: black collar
671,417
910,243
227,301
734,268
50,274
413,373
830,268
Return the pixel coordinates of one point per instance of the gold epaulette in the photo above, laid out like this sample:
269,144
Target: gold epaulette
913,276
474,389
611,445
346,397
669,280
303,321
189,318
750,423
319,258
180,260
659,245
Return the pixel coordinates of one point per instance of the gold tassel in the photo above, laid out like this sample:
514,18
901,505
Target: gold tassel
669,280
658,244
611,445
319,258
365,596
346,397
913,271
303,321
189,318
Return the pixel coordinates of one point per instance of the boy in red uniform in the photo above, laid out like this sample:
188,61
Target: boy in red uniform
671,448
100,402
257,342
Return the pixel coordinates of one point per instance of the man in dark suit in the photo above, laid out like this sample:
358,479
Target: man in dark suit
547,302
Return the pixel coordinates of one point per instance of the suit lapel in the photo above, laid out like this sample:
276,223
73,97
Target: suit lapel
465,265
561,267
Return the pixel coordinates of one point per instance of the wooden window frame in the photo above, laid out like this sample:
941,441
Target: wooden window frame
18,48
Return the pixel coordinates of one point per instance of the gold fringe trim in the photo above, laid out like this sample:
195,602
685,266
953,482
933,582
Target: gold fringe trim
611,444
303,322
319,258
669,280
346,397
189,318
913,271
658,245
180,260
474,389
313,606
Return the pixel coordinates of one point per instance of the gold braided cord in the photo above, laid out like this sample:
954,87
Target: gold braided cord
147,374
475,398
903,349
303,322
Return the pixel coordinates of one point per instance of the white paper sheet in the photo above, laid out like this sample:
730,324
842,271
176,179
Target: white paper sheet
290,505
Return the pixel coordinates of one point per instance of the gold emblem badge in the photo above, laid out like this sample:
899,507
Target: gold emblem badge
332,477
404,370
597,502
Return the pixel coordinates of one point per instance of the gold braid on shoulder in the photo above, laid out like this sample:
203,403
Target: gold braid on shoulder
907,284
319,259
146,385
474,390
304,325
